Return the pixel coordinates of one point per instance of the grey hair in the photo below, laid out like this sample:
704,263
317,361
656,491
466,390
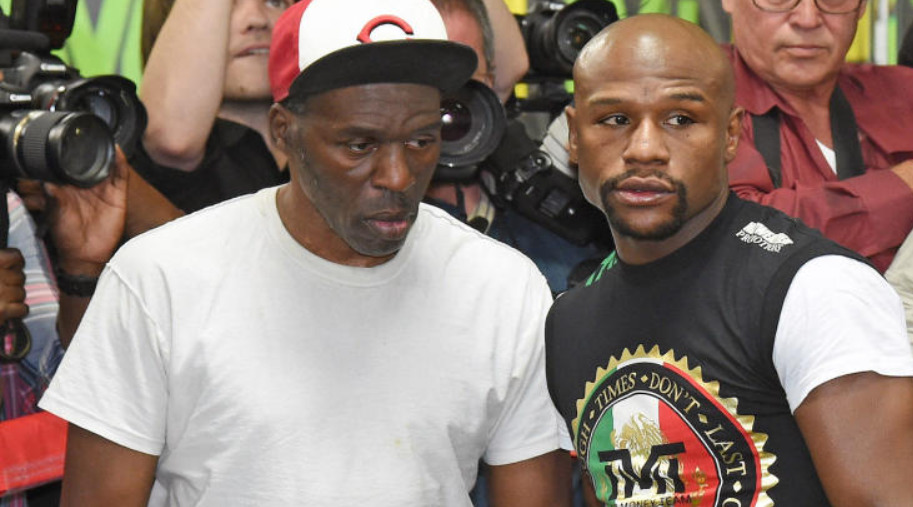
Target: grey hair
476,8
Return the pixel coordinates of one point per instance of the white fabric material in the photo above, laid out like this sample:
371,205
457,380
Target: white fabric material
265,375
900,276
832,326
347,20
829,155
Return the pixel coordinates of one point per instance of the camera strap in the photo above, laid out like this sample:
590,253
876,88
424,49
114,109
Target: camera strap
845,136
767,141
844,132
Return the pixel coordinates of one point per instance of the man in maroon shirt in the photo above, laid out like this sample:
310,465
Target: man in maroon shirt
841,134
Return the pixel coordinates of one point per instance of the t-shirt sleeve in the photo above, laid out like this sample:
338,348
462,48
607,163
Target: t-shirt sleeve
839,317
112,380
529,425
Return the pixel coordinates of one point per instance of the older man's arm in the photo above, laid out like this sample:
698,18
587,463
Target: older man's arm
543,481
100,472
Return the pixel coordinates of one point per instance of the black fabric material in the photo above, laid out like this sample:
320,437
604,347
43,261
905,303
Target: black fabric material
44,496
766,129
713,303
845,137
905,53
441,64
844,132
237,162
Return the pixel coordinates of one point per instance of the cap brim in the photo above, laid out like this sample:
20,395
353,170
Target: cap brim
442,64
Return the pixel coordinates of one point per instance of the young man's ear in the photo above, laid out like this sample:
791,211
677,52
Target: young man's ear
280,121
733,133
569,113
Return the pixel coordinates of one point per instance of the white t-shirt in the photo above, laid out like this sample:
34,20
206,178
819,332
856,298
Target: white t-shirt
829,155
832,326
262,374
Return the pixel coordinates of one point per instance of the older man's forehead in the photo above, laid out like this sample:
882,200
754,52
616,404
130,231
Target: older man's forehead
376,105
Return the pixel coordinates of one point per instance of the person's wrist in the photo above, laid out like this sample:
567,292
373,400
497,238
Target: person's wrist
75,285
77,278
79,267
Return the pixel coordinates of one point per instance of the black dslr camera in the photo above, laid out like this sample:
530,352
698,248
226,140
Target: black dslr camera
55,125
479,143
555,33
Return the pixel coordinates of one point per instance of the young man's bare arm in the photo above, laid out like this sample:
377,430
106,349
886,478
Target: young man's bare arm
859,430
183,81
543,481
99,472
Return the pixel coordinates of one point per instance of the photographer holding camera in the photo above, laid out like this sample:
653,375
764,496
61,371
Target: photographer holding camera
60,138
49,297
206,88
458,189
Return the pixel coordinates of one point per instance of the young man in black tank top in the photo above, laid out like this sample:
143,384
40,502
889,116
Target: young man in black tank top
726,354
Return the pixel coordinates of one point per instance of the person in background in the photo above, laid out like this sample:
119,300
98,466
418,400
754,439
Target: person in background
206,89
44,296
493,33
824,141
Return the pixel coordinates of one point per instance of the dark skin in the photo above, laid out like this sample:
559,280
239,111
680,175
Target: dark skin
356,182
653,112
12,285
542,481
650,123
87,224
100,472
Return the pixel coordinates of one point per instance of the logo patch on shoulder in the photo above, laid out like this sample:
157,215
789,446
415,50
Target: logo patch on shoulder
758,233
652,432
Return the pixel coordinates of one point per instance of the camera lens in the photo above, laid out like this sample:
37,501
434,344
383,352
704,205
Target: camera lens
83,149
57,147
456,118
111,98
575,31
100,104
555,38
474,121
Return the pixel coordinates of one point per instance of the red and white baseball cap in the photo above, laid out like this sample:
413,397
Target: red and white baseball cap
321,45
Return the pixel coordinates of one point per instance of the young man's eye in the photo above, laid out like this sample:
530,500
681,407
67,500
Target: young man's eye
615,120
680,120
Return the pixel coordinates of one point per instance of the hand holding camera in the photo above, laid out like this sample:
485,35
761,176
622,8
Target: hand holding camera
12,285
87,224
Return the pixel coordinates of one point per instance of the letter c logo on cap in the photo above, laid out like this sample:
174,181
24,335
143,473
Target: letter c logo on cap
365,35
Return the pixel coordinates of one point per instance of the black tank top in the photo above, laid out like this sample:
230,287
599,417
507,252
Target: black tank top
664,371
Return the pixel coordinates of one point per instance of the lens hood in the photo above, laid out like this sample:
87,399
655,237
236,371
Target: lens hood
474,121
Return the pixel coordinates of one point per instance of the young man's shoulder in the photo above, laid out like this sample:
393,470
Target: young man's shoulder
771,227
